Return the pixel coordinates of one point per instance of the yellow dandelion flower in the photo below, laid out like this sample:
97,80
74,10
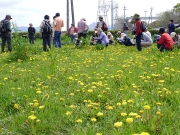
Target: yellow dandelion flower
90,90
16,106
161,81
124,103
38,120
118,124
158,103
38,92
138,116
72,106
129,120
71,94
99,96
32,117
68,113
99,114
5,78
41,107
19,88
79,121
98,133
108,107
93,119
132,114
144,133
123,114
36,104
147,107
158,112
62,99
56,93
118,104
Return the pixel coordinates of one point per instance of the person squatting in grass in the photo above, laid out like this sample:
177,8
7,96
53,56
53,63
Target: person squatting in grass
176,39
165,42
92,40
31,33
126,40
110,37
146,40
46,36
58,24
102,37
6,35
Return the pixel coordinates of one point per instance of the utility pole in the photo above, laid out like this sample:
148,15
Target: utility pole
124,8
145,15
72,12
67,14
151,9
112,17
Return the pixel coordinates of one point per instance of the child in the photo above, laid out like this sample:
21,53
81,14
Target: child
76,40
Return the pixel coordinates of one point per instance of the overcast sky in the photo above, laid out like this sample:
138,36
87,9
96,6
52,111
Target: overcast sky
24,12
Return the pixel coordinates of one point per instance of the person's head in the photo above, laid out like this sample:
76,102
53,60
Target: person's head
136,16
8,17
100,18
174,36
171,21
54,17
108,34
30,25
72,25
57,14
119,33
161,30
46,17
99,30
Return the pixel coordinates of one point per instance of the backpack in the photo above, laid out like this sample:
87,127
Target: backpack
143,27
31,30
3,26
47,27
104,27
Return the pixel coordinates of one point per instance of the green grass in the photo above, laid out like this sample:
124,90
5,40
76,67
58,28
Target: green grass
63,85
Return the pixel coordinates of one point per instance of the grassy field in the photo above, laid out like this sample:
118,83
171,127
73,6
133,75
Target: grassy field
88,91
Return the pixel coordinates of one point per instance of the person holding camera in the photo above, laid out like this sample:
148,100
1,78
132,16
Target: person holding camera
102,37
164,42
110,37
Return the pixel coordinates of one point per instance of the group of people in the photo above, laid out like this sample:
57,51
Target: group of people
52,31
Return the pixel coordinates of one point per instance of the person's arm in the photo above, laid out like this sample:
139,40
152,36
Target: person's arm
8,26
34,30
161,40
62,23
100,37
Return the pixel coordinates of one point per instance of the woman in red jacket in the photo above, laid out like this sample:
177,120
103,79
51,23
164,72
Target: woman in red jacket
165,42
71,32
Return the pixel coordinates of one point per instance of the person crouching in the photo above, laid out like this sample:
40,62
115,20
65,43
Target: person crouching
176,39
102,37
165,42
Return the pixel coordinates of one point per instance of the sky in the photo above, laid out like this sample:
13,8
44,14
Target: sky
24,12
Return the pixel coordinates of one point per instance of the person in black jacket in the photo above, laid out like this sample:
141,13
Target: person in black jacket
31,32
6,34
127,41
171,27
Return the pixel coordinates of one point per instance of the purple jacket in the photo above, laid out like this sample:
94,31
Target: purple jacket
81,26
103,38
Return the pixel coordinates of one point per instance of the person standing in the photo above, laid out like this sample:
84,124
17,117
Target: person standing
58,23
46,32
101,24
171,27
82,28
31,33
71,32
125,29
6,33
138,31
53,28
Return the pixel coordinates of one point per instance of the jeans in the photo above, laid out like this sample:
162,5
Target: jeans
162,48
46,40
138,42
31,39
6,37
72,37
57,39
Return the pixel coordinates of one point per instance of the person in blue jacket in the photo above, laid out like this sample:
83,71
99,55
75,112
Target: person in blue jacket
171,27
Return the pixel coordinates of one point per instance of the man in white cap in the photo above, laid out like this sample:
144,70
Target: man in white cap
126,40
176,39
6,33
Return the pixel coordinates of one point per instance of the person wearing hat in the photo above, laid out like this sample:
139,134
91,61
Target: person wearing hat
165,42
82,28
110,37
6,33
119,38
176,39
171,27
102,37
71,31
126,40
31,32
138,31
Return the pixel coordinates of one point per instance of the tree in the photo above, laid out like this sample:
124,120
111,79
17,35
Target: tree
177,7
